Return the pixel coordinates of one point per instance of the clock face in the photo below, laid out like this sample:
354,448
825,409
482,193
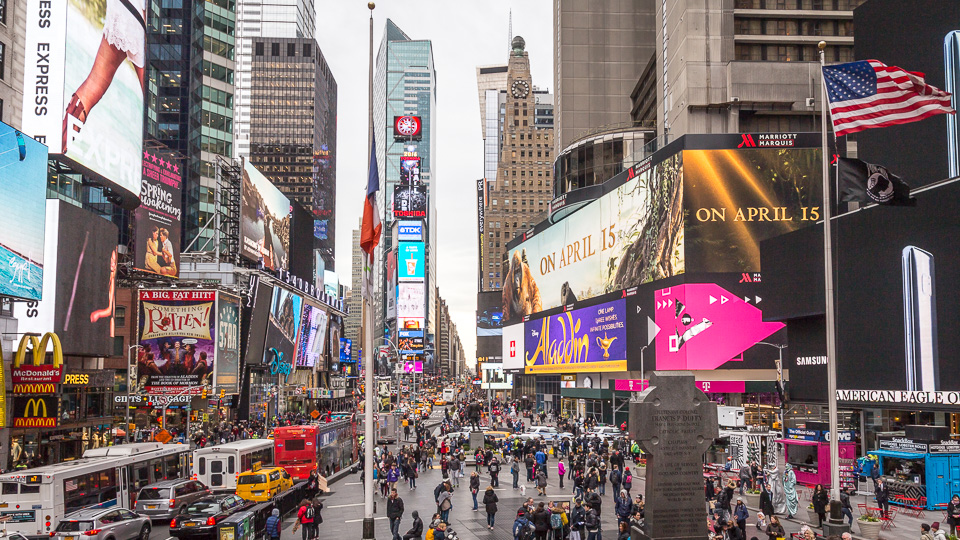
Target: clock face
408,126
520,89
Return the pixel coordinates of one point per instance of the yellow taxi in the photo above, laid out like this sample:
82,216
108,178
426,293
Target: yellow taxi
261,485
440,402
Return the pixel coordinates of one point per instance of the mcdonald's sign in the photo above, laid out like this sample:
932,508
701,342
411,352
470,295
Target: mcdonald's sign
37,377
35,411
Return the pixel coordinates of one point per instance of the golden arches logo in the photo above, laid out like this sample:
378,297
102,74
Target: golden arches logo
36,413
39,349
35,388
36,404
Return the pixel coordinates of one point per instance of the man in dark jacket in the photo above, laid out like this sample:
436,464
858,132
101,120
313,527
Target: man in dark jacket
595,501
882,493
623,508
394,513
416,531
494,469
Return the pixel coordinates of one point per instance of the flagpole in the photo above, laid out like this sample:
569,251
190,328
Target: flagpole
370,438
831,328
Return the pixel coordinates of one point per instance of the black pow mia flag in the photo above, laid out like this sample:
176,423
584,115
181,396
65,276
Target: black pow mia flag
868,183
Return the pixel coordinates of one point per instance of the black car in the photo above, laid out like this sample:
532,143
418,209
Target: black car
199,520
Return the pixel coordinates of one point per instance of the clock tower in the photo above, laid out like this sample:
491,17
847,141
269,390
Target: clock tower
520,195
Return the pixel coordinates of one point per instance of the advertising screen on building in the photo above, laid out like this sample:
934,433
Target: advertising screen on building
410,231
512,351
410,323
313,332
410,300
23,191
157,219
585,339
258,309
412,259
264,221
492,377
177,337
391,276
346,350
334,333
489,323
410,201
699,205
409,170
897,315
410,341
407,127
228,344
85,104
282,330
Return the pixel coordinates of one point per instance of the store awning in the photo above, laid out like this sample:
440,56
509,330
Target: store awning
896,454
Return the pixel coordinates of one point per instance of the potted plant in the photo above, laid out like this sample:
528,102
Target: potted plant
752,498
869,524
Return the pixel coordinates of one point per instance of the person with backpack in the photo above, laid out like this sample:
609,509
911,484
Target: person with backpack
490,501
556,522
541,521
515,471
522,528
542,481
305,515
394,513
615,478
416,530
445,503
627,480
494,470
274,524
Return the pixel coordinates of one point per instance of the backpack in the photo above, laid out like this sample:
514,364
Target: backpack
309,512
527,532
627,481
556,522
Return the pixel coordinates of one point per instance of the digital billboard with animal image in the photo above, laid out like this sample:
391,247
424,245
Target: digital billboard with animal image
177,337
282,331
84,98
264,221
23,190
898,315
701,204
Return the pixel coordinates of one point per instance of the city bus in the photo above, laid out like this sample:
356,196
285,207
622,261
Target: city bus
35,500
219,466
325,447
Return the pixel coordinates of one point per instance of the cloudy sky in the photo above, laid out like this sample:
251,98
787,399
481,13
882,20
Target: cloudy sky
465,34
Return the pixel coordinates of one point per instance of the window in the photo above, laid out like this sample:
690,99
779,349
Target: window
275,49
3,56
119,314
291,49
3,11
259,49
307,50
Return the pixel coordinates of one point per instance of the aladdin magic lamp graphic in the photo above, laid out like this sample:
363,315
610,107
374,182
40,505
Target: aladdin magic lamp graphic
605,344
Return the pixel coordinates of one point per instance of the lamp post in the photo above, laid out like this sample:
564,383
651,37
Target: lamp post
130,368
641,361
780,349
396,412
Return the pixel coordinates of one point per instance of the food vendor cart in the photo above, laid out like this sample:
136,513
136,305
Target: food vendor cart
919,473
808,452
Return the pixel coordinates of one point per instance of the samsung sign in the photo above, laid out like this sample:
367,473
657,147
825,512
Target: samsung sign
410,231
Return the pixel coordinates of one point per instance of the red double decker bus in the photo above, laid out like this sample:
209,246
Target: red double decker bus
326,447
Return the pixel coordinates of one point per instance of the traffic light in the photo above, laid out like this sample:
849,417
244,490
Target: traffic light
203,393
222,392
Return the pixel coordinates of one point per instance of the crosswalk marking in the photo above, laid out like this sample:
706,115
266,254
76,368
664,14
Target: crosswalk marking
361,519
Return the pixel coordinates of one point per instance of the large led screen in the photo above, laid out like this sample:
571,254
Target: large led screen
412,259
489,323
257,309
84,95
79,284
23,190
587,339
228,344
410,300
700,205
285,319
313,332
492,377
157,219
410,201
177,337
264,221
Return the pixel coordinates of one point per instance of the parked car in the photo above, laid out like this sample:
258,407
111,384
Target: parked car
200,519
547,432
103,524
605,432
261,485
167,498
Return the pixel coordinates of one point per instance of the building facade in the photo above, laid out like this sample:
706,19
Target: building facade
405,84
353,321
12,30
292,128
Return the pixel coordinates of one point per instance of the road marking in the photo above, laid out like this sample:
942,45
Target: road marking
353,483
361,519
346,505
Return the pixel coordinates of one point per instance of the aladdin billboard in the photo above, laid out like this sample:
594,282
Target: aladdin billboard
586,339
701,204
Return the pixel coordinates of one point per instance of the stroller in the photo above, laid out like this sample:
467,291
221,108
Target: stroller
450,534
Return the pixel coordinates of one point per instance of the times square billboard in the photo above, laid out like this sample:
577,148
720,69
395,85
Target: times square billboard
675,240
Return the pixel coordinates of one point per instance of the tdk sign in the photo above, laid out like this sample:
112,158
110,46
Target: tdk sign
410,231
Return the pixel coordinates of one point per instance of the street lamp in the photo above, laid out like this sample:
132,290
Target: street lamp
780,349
130,368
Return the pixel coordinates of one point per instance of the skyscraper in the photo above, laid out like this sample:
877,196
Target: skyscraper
405,85
292,128
188,101
259,19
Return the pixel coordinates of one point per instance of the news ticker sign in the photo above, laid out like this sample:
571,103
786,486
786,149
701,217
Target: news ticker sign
155,400
716,387
920,397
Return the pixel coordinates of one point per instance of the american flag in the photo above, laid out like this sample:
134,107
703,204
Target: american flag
869,94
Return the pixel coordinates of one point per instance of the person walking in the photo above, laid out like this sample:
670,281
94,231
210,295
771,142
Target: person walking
494,470
953,514
394,513
490,501
454,470
445,504
820,502
416,530
623,507
274,524
306,519
746,477
592,523
846,508
515,471
561,471
542,481
474,489
882,492
774,529
541,521
741,515
766,500
627,480
577,517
